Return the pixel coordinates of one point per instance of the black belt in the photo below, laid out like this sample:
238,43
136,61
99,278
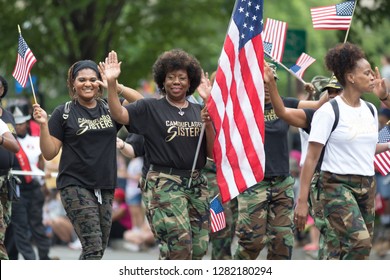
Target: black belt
174,171
4,172
274,178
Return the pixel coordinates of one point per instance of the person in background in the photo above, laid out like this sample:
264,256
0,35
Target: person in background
7,140
121,219
171,127
382,244
6,163
121,170
27,212
346,177
133,191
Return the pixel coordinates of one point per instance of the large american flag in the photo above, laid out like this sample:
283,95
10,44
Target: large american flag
303,62
236,102
382,160
24,62
274,38
336,17
218,219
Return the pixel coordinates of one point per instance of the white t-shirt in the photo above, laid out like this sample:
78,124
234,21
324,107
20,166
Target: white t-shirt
304,136
351,146
3,127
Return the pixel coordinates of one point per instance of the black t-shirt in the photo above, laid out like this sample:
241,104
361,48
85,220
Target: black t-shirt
309,117
88,139
276,141
7,158
170,139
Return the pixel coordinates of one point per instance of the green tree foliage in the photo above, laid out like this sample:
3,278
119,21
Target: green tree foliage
60,32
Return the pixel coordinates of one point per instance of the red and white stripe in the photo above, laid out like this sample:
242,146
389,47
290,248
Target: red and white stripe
304,61
382,162
326,18
275,32
218,221
236,108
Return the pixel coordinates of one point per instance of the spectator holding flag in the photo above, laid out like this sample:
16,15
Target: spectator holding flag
266,209
172,128
347,169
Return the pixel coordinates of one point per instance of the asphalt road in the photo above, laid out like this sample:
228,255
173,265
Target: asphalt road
119,253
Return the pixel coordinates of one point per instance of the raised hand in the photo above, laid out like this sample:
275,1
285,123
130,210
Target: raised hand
204,87
111,68
380,88
268,73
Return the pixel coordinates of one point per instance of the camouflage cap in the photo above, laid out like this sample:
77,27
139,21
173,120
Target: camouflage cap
333,83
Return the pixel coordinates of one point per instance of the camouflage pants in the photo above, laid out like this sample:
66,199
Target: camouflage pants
266,218
5,218
329,243
221,241
349,207
90,219
179,215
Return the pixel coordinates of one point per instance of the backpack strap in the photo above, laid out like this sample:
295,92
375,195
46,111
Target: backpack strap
336,110
65,114
370,107
105,104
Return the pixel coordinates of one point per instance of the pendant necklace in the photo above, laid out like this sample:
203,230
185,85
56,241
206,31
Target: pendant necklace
355,108
181,112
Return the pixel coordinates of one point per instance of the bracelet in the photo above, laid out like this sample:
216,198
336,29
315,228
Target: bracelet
2,140
124,144
384,99
122,89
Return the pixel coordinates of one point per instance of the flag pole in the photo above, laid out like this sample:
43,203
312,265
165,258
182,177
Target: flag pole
197,152
353,12
285,67
29,75
214,198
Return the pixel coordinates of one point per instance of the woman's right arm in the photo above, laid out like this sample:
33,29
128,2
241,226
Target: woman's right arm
50,146
294,117
311,160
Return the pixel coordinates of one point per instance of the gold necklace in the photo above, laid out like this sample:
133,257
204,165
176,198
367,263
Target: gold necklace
181,112
346,101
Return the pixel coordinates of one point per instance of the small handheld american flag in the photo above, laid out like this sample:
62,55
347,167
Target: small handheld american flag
218,220
382,160
334,17
24,62
303,62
